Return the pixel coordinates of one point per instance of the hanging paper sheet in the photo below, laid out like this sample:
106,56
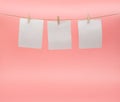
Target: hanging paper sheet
30,34
90,34
59,35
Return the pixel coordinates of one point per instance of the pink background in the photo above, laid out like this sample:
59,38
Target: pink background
77,75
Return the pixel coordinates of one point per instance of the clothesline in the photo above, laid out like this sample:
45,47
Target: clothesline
60,37
88,16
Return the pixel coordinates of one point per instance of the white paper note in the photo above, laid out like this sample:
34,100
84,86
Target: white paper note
90,34
59,36
30,34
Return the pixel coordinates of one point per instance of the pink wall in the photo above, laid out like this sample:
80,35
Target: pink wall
77,75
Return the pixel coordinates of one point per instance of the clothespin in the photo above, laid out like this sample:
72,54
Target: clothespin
58,20
88,18
29,19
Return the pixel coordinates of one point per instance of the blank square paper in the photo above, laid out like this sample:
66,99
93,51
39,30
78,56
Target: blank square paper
90,34
59,35
30,34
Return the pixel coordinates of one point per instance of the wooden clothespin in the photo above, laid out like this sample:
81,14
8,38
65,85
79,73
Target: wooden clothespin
58,20
88,18
29,19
